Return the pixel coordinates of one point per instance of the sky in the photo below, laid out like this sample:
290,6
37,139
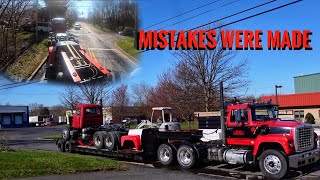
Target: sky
267,68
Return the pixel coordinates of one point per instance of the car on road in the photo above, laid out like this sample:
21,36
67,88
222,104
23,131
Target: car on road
77,27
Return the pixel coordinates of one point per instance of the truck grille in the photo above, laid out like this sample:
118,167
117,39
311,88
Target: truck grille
304,138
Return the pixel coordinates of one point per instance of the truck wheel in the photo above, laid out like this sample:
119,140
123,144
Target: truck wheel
68,147
273,164
66,133
186,156
110,141
61,145
165,154
98,140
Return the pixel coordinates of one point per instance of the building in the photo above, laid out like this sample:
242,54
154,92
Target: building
14,116
307,83
296,106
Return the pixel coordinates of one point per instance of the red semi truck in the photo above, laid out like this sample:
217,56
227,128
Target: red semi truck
245,133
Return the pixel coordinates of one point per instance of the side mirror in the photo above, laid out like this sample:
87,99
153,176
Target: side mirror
238,116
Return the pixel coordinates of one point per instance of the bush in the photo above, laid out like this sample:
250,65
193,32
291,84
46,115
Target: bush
309,119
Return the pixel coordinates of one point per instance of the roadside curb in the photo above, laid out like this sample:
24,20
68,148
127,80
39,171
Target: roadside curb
37,69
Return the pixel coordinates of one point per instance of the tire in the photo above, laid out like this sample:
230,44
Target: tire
66,134
61,145
273,164
98,140
68,147
166,155
186,156
111,141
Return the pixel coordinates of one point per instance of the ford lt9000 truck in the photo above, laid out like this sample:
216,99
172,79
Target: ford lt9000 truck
245,133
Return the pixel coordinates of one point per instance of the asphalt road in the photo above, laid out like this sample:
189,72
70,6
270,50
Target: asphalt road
30,139
102,46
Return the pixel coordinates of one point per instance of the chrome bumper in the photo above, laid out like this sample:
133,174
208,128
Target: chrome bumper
304,158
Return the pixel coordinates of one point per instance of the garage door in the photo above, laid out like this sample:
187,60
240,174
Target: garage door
18,119
6,120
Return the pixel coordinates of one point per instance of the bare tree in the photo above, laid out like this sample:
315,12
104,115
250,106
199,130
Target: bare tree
70,97
209,67
141,94
119,101
95,91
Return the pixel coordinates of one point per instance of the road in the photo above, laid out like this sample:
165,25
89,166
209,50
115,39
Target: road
29,139
102,47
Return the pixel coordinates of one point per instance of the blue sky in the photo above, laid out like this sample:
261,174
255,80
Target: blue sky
266,67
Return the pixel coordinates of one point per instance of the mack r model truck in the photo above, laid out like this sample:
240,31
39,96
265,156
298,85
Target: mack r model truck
245,133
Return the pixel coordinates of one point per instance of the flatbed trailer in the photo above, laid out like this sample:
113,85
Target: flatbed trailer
69,62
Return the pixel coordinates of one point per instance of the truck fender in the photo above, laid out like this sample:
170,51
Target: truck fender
135,139
278,140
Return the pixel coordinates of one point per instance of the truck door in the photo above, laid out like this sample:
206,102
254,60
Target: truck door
238,128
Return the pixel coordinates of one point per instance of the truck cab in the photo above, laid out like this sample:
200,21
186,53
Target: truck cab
254,135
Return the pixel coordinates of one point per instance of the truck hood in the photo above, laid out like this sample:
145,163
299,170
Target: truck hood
279,123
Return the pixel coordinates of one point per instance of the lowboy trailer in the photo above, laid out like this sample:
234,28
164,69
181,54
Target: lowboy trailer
249,134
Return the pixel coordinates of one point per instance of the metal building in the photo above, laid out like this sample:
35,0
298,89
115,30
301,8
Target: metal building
307,83
14,116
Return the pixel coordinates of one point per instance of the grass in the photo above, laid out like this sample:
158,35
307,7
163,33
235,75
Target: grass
184,125
25,35
127,44
20,164
53,136
25,64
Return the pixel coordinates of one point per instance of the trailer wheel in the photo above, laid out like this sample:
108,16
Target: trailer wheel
273,164
66,133
61,145
68,147
186,156
98,139
111,140
165,154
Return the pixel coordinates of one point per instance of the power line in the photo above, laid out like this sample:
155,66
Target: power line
181,14
236,21
227,4
19,84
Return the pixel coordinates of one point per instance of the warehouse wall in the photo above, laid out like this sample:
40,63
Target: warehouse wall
307,83
14,116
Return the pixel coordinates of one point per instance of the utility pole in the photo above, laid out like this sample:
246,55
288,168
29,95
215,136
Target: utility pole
276,88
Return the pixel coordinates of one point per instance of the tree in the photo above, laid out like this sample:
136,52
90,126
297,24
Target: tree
34,109
309,119
119,101
44,111
94,91
70,97
58,110
141,94
207,68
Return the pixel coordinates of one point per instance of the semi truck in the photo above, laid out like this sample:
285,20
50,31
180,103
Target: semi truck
245,133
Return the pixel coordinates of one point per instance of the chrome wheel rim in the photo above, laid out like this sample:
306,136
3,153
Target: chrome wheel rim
185,156
272,164
108,142
97,141
164,155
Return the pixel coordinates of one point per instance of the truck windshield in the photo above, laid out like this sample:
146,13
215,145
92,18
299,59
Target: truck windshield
263,113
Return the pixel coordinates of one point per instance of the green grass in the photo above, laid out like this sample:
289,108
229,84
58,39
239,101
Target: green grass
25,35
53,136
22,164
127,44
24,66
